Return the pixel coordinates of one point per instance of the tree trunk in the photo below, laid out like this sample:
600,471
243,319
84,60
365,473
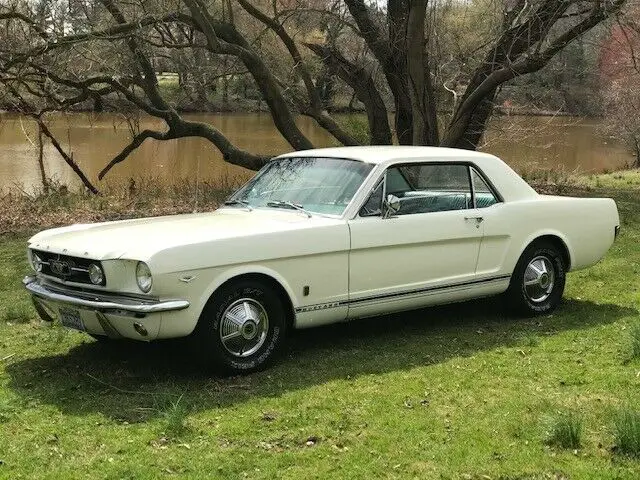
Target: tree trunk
395,68
467,131
423,105
363,86
43,175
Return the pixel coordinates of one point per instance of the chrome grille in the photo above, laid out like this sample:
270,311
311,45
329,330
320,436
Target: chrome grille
67,268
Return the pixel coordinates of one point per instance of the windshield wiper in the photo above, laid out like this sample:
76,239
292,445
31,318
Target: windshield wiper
244,203
294,206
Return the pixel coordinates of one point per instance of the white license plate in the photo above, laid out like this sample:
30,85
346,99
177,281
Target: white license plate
71,319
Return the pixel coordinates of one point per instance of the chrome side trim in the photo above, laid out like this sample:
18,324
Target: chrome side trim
100,302
399,295
428,290
320,306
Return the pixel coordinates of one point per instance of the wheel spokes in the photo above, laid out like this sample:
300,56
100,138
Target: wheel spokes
235,319
539,279
243,327
231,336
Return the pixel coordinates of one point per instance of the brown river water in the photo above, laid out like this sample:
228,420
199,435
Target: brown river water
525,143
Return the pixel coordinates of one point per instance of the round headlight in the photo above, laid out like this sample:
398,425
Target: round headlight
95,274
143,277
36,262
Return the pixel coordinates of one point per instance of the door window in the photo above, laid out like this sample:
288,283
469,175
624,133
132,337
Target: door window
430,188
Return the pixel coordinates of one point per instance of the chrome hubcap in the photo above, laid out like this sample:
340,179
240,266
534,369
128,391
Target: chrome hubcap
243,327
539,278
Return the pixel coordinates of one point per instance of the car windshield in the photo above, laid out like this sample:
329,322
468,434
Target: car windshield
311,184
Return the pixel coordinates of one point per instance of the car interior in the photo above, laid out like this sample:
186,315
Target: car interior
431,188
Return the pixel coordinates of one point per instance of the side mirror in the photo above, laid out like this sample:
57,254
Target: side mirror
391,206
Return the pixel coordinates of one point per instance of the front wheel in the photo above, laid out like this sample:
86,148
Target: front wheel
537,283
242,328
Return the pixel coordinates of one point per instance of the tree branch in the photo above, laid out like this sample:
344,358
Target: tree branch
516,54
364,87
67,158
136,142
300,67
223,38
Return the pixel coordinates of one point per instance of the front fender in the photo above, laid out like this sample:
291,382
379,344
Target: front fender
234,272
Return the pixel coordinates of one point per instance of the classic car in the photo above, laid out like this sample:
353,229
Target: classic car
316,237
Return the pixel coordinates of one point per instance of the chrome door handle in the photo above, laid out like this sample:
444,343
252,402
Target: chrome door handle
477,219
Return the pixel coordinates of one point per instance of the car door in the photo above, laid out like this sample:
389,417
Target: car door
428,249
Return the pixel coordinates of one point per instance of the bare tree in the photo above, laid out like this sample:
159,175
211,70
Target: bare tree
55,58
620,76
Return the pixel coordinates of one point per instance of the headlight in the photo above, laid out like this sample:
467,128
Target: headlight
95,274
143,277
36,262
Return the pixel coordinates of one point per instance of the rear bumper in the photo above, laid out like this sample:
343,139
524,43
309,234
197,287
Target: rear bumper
100,302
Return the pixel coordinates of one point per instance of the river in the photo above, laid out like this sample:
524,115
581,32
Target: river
565,143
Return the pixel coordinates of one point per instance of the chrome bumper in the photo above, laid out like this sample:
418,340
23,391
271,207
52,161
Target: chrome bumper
100,302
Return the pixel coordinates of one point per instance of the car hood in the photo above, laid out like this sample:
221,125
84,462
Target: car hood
140,239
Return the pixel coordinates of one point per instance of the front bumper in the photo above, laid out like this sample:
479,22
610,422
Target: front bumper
108,314
100,302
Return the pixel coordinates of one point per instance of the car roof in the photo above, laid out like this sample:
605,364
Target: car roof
381,153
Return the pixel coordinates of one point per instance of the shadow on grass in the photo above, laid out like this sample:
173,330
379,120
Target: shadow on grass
127,381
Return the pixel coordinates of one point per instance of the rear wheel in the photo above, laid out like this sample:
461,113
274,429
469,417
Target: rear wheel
537,283
242,328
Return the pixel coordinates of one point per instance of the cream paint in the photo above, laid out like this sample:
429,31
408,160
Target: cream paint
410,251
354,266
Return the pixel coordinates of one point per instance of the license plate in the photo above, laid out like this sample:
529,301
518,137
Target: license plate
71,319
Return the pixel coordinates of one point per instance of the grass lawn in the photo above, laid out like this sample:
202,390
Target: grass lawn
460,391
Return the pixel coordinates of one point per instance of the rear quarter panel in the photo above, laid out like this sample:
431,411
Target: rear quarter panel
585,225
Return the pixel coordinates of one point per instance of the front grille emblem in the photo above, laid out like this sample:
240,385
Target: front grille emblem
60,267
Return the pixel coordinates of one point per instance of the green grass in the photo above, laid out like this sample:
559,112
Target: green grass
453,392
175,415
629,179
634,334
627,432
565,430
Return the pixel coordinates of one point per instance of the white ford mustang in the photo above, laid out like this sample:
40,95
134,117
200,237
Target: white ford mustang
316,237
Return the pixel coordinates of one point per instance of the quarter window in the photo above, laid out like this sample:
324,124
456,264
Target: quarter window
484,196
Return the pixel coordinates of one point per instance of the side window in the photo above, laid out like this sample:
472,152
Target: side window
430,187
483,195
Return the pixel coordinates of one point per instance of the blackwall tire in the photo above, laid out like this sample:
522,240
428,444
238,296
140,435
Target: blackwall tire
242,328
538,281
